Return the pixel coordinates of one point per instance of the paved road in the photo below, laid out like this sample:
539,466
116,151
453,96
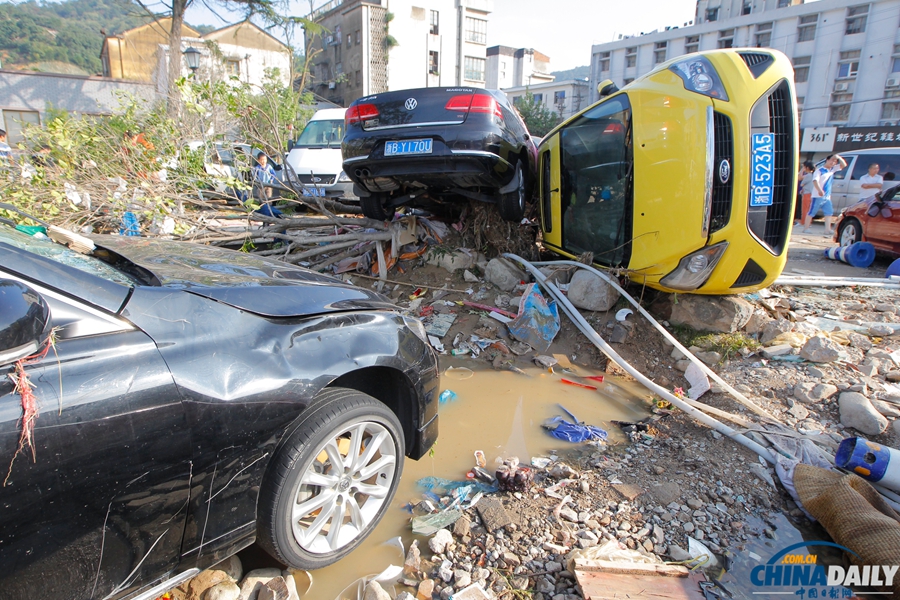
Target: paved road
806,257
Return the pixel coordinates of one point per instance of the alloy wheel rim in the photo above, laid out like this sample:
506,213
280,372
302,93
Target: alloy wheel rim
848,235
344,487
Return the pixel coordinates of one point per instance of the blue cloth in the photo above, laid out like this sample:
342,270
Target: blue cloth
5,151
265,176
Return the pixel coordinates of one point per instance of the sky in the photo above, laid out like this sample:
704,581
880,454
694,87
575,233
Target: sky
564,30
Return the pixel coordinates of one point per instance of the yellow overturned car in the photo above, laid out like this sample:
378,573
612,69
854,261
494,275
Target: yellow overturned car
685,178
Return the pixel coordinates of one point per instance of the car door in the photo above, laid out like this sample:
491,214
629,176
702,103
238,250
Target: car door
98,509
883,229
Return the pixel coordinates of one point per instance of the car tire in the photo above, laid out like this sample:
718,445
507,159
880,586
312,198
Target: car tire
512,204
373,207
310,516
850,232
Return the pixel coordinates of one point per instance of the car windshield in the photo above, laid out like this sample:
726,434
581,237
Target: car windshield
322,134
61,254
596,176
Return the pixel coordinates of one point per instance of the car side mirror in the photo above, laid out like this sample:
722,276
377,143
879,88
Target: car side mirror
607,87
24,321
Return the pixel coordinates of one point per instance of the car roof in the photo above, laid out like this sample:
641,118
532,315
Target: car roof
329,114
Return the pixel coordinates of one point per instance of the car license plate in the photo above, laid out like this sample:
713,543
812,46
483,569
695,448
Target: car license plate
407,147
313,191
762,168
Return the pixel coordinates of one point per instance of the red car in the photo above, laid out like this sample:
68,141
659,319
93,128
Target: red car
875,220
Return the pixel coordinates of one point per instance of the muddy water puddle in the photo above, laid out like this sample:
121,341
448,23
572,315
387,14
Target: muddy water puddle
499,413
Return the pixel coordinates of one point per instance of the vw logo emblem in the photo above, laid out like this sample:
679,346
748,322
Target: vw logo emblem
724,171
411,103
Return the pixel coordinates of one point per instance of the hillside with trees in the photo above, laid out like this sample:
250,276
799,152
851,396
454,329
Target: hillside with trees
35,33
576,73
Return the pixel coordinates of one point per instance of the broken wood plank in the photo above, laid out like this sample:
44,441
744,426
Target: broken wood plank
608,585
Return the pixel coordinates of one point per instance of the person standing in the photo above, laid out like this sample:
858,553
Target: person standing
870,183
5,150
807,170
821,195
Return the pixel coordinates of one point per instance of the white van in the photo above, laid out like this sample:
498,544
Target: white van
845,189
316,156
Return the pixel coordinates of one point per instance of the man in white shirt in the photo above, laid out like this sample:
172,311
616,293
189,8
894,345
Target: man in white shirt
870,183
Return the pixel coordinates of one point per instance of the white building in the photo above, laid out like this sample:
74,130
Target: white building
381,45
846,58
565,97
510,67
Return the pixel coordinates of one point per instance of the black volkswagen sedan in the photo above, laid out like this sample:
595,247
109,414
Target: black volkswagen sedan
441,144
163,405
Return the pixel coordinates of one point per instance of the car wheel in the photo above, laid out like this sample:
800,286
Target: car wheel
331,481
512,204
373,207
850,233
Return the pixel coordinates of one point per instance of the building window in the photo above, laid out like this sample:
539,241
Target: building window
628,80
801,68
800,100
856,19
659,52
712,14
783,3
840,107
726,38
349,41
15,121
357,37
890,109
745,9
474,68
516,100
433,63
233,67
559,97
691,44
603,62
476,30
630,57
806,31
764,35
435,23
849,65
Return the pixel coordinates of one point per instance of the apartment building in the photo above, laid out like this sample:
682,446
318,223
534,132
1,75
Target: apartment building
846,58
564,98
373,46
512,67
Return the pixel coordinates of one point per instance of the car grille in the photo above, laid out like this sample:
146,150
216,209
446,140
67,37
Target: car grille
752,274
309,179
722,192
770,224
757,62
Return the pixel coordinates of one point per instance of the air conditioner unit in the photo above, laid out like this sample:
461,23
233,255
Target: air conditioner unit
841,86
329,39
892,82
331,85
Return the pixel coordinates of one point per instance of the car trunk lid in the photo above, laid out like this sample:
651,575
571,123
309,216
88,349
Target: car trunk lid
411,108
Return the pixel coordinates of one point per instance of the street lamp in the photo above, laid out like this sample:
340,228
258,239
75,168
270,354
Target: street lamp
192,57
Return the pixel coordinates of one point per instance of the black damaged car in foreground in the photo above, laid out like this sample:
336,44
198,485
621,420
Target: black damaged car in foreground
194,400
439,144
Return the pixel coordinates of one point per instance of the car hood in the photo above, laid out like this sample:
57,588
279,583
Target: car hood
317,161
252,283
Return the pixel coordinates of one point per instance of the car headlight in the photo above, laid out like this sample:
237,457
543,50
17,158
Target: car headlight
700,76
694,269
342,178
416,326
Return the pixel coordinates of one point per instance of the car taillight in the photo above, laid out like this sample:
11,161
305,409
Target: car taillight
360,112
480,103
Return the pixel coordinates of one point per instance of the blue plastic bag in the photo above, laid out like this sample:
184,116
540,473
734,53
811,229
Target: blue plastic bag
538,320
573,431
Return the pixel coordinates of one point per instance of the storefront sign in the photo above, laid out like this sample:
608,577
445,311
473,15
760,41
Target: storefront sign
818,139
859,138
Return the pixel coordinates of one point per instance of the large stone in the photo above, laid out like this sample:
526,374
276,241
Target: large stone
413,563
722,314
451,261
556,275
374,591
810,391
665,493
504,273
206,580
779,350
590,292
820,350
225,590
255,581
440,541
275,589
773,329
886,408
857,412
757,321
492,513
